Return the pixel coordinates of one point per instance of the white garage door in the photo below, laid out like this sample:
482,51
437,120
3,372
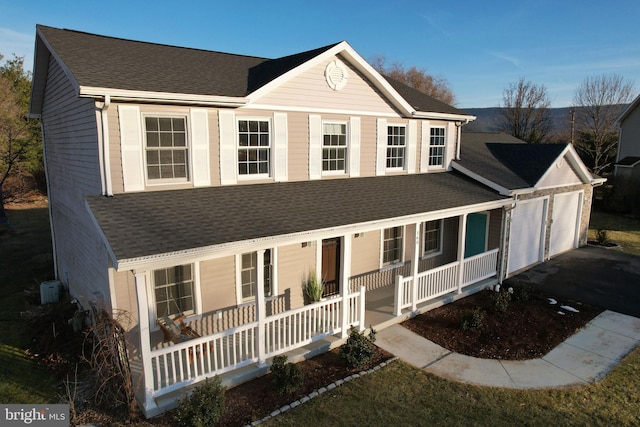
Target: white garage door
565,222
526,239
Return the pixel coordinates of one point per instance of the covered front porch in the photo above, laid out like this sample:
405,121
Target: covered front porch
270,327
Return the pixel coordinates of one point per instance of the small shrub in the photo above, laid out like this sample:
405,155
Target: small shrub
359,349
472,319
285,377
313,288
602,237
204,407
500,301
521,292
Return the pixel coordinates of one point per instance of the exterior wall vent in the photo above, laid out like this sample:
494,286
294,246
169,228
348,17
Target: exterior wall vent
50,291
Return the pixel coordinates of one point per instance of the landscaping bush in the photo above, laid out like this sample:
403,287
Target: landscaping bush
204,407
359,349
602,237
521,292
285,377
500,300
472,319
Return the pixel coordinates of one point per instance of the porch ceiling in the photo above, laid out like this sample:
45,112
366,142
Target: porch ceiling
138,225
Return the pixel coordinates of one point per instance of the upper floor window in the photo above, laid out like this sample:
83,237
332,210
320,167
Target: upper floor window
392,246
254,147
396,144
334,147
166,148
437,147
432,242
174,290
249,275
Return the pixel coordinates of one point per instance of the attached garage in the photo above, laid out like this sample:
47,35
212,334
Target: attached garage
526,238
565,222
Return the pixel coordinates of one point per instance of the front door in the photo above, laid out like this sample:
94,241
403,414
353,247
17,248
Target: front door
331,266
476,238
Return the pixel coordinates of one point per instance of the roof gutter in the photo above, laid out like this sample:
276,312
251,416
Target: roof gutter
443,116
165,97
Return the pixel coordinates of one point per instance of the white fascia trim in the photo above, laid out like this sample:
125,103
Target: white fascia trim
289,108
67,72
444,116
355,60
573,159
629,109
179,98
186,256
500,189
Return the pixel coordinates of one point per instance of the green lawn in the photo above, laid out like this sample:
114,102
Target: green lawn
400,395
621,229
25,261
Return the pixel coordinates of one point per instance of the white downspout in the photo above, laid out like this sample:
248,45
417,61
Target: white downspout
459,136
105,158
51,226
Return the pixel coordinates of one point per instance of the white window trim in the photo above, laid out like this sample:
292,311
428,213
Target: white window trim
259,176
384,266
347,148
444,148
169,181
432,253
406,147
151,295
241,302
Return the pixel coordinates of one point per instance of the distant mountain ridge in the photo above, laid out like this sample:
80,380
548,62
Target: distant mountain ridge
487,119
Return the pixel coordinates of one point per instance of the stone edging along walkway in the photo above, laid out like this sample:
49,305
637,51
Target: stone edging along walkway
320,391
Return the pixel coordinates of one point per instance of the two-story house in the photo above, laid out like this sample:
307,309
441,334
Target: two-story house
627,167
185,181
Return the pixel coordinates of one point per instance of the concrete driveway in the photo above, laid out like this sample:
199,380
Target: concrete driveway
600,277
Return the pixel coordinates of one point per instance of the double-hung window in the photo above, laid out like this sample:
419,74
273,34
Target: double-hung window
437,146
249,275
334,147
432,241
174,290
254,147
166,148
396,144
392,246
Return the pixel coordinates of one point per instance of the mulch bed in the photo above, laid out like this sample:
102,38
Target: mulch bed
526,330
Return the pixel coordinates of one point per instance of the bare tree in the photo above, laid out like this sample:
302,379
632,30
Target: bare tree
417,78
598,102
525,112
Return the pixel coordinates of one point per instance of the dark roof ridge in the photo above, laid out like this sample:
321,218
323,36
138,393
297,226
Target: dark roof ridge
86,33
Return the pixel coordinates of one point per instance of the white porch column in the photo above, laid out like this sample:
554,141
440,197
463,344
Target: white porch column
344,280
414,265
145,339
261,309
462,231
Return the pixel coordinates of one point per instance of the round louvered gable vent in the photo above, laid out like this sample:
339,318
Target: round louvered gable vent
336,74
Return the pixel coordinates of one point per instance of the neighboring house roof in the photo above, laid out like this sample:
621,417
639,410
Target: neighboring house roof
632,106
629,161
508,164
100,65
142,225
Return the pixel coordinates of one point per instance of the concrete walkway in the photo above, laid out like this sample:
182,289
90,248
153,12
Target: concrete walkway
585,357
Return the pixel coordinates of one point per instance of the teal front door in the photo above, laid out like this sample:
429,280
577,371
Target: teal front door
476,236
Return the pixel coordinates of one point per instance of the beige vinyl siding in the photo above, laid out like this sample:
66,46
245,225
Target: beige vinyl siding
311,90
126,300
298,146
294,265
71,145
365,252
560,175
368,146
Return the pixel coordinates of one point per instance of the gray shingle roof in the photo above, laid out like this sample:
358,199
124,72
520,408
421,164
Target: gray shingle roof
144,224
506,160
108,62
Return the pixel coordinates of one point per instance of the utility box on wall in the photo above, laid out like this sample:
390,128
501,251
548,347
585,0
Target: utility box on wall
50,291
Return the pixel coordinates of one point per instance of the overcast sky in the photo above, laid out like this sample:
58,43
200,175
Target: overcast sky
479,47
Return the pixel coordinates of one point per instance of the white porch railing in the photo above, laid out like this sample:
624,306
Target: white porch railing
179,365
442,280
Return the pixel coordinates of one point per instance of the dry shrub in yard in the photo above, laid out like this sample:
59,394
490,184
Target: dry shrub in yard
203,407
